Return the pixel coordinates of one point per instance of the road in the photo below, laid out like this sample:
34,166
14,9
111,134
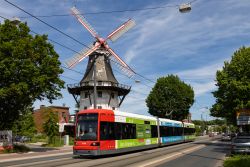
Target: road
204,153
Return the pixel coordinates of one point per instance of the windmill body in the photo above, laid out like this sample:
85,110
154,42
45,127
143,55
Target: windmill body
99,87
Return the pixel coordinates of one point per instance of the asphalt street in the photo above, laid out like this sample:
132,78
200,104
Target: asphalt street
204,153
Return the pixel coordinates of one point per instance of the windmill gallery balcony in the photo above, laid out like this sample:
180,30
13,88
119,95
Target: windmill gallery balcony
76,89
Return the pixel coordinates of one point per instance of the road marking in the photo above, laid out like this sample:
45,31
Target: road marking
37,156
176,155
39,162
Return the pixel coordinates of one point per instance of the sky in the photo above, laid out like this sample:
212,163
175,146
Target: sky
164,41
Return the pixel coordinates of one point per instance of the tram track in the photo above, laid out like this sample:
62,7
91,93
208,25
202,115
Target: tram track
111,160
133,158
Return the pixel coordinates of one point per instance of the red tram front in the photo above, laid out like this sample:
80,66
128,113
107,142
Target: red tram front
87,136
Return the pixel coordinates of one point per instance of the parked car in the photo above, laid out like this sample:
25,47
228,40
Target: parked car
241,144
226,137
211,134
22,139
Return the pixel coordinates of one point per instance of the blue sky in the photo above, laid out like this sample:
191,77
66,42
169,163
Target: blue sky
192,45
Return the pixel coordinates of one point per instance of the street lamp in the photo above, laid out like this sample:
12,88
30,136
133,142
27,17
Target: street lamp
205,123
185,8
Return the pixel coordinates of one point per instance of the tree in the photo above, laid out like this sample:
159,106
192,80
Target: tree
50,126
170,98
29,71
25,125
233,83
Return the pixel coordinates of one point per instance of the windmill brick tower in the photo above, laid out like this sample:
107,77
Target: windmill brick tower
99,87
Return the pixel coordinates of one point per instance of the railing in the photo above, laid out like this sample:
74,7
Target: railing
98,83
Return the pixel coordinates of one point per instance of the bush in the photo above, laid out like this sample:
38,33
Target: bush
237,161
39,138
17,148
56,142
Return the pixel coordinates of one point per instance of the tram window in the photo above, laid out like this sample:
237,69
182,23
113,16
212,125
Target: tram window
146,122
169,131
124,131
104,130
154,132
189,131
176,131
107,131
163,131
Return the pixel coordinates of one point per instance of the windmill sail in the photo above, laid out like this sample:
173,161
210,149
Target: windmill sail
121,30
80,56
126,70
84,22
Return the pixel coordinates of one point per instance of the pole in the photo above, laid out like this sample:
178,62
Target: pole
95,82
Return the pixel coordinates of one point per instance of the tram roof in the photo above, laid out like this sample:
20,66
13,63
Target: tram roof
135,115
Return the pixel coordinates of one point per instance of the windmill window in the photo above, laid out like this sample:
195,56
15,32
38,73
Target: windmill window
85,107
99,93
99,107
86,94
112,95
113,108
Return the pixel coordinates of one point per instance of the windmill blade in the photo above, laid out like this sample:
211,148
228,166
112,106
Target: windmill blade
80,56
123,66
125,70
121,30
84,22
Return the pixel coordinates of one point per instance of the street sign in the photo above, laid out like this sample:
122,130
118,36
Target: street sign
61,127
243,117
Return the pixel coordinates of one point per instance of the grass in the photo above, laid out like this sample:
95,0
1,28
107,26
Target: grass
58,143
237,161
39,138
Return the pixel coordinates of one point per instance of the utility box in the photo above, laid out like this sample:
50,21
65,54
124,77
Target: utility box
66,140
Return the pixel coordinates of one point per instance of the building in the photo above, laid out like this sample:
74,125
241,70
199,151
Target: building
62,112
99,75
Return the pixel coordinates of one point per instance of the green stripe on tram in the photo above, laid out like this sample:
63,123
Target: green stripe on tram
135,142
189,137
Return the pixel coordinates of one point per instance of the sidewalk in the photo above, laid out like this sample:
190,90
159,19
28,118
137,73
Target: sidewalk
37,152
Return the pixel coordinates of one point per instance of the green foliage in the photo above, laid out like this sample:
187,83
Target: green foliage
25,125
50,126
237,161
18,148
233,83
29,70
170,95
198,130
216,122
39,138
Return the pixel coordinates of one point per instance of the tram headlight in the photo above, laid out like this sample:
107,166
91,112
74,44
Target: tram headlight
95,144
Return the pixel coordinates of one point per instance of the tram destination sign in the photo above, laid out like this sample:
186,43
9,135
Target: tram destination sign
243,117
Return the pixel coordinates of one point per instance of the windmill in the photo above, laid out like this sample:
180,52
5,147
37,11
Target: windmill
99,87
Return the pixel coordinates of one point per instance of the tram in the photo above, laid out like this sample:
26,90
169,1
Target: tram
102,131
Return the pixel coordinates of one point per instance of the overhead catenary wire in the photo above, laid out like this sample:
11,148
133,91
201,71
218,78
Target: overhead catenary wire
113,11
47,24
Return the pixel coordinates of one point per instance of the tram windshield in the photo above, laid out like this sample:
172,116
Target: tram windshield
87,127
